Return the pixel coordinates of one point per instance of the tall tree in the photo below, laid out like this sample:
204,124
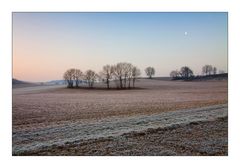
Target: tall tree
68,76
186,72
174,74
90,77
78,75
127,72
207,69
107,73
150,71
118,73
135,73
214,70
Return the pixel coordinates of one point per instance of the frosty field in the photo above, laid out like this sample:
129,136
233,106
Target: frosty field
60,121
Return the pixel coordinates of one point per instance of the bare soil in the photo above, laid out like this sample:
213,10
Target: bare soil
39,109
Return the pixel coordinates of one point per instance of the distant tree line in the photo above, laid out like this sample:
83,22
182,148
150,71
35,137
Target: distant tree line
209,70
123,74
186,73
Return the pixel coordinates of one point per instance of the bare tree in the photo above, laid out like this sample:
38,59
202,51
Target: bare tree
130,75
78,75
118,73
68,76
121,72
150,71
90,77
107,73
174,74
135,73
207,69
127,72
210,70
186,72
214,70
67,79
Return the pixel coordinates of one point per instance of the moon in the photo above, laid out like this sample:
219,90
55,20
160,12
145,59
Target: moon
185,33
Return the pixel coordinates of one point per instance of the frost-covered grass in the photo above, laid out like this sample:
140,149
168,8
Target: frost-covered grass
77,132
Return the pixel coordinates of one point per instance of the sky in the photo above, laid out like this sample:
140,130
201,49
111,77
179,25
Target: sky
45,45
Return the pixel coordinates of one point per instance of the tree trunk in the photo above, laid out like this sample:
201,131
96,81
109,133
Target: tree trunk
89,83
108,83
125,81
120,80
76,83
129,83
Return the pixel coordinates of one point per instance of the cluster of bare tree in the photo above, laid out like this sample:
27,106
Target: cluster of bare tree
209,70
184,73
90,77
123,74
73,75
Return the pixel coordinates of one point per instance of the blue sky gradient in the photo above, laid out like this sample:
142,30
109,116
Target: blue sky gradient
46,44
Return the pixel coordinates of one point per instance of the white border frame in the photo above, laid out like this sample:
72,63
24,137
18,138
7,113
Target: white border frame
9,6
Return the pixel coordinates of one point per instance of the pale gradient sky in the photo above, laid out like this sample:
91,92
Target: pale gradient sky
46,44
